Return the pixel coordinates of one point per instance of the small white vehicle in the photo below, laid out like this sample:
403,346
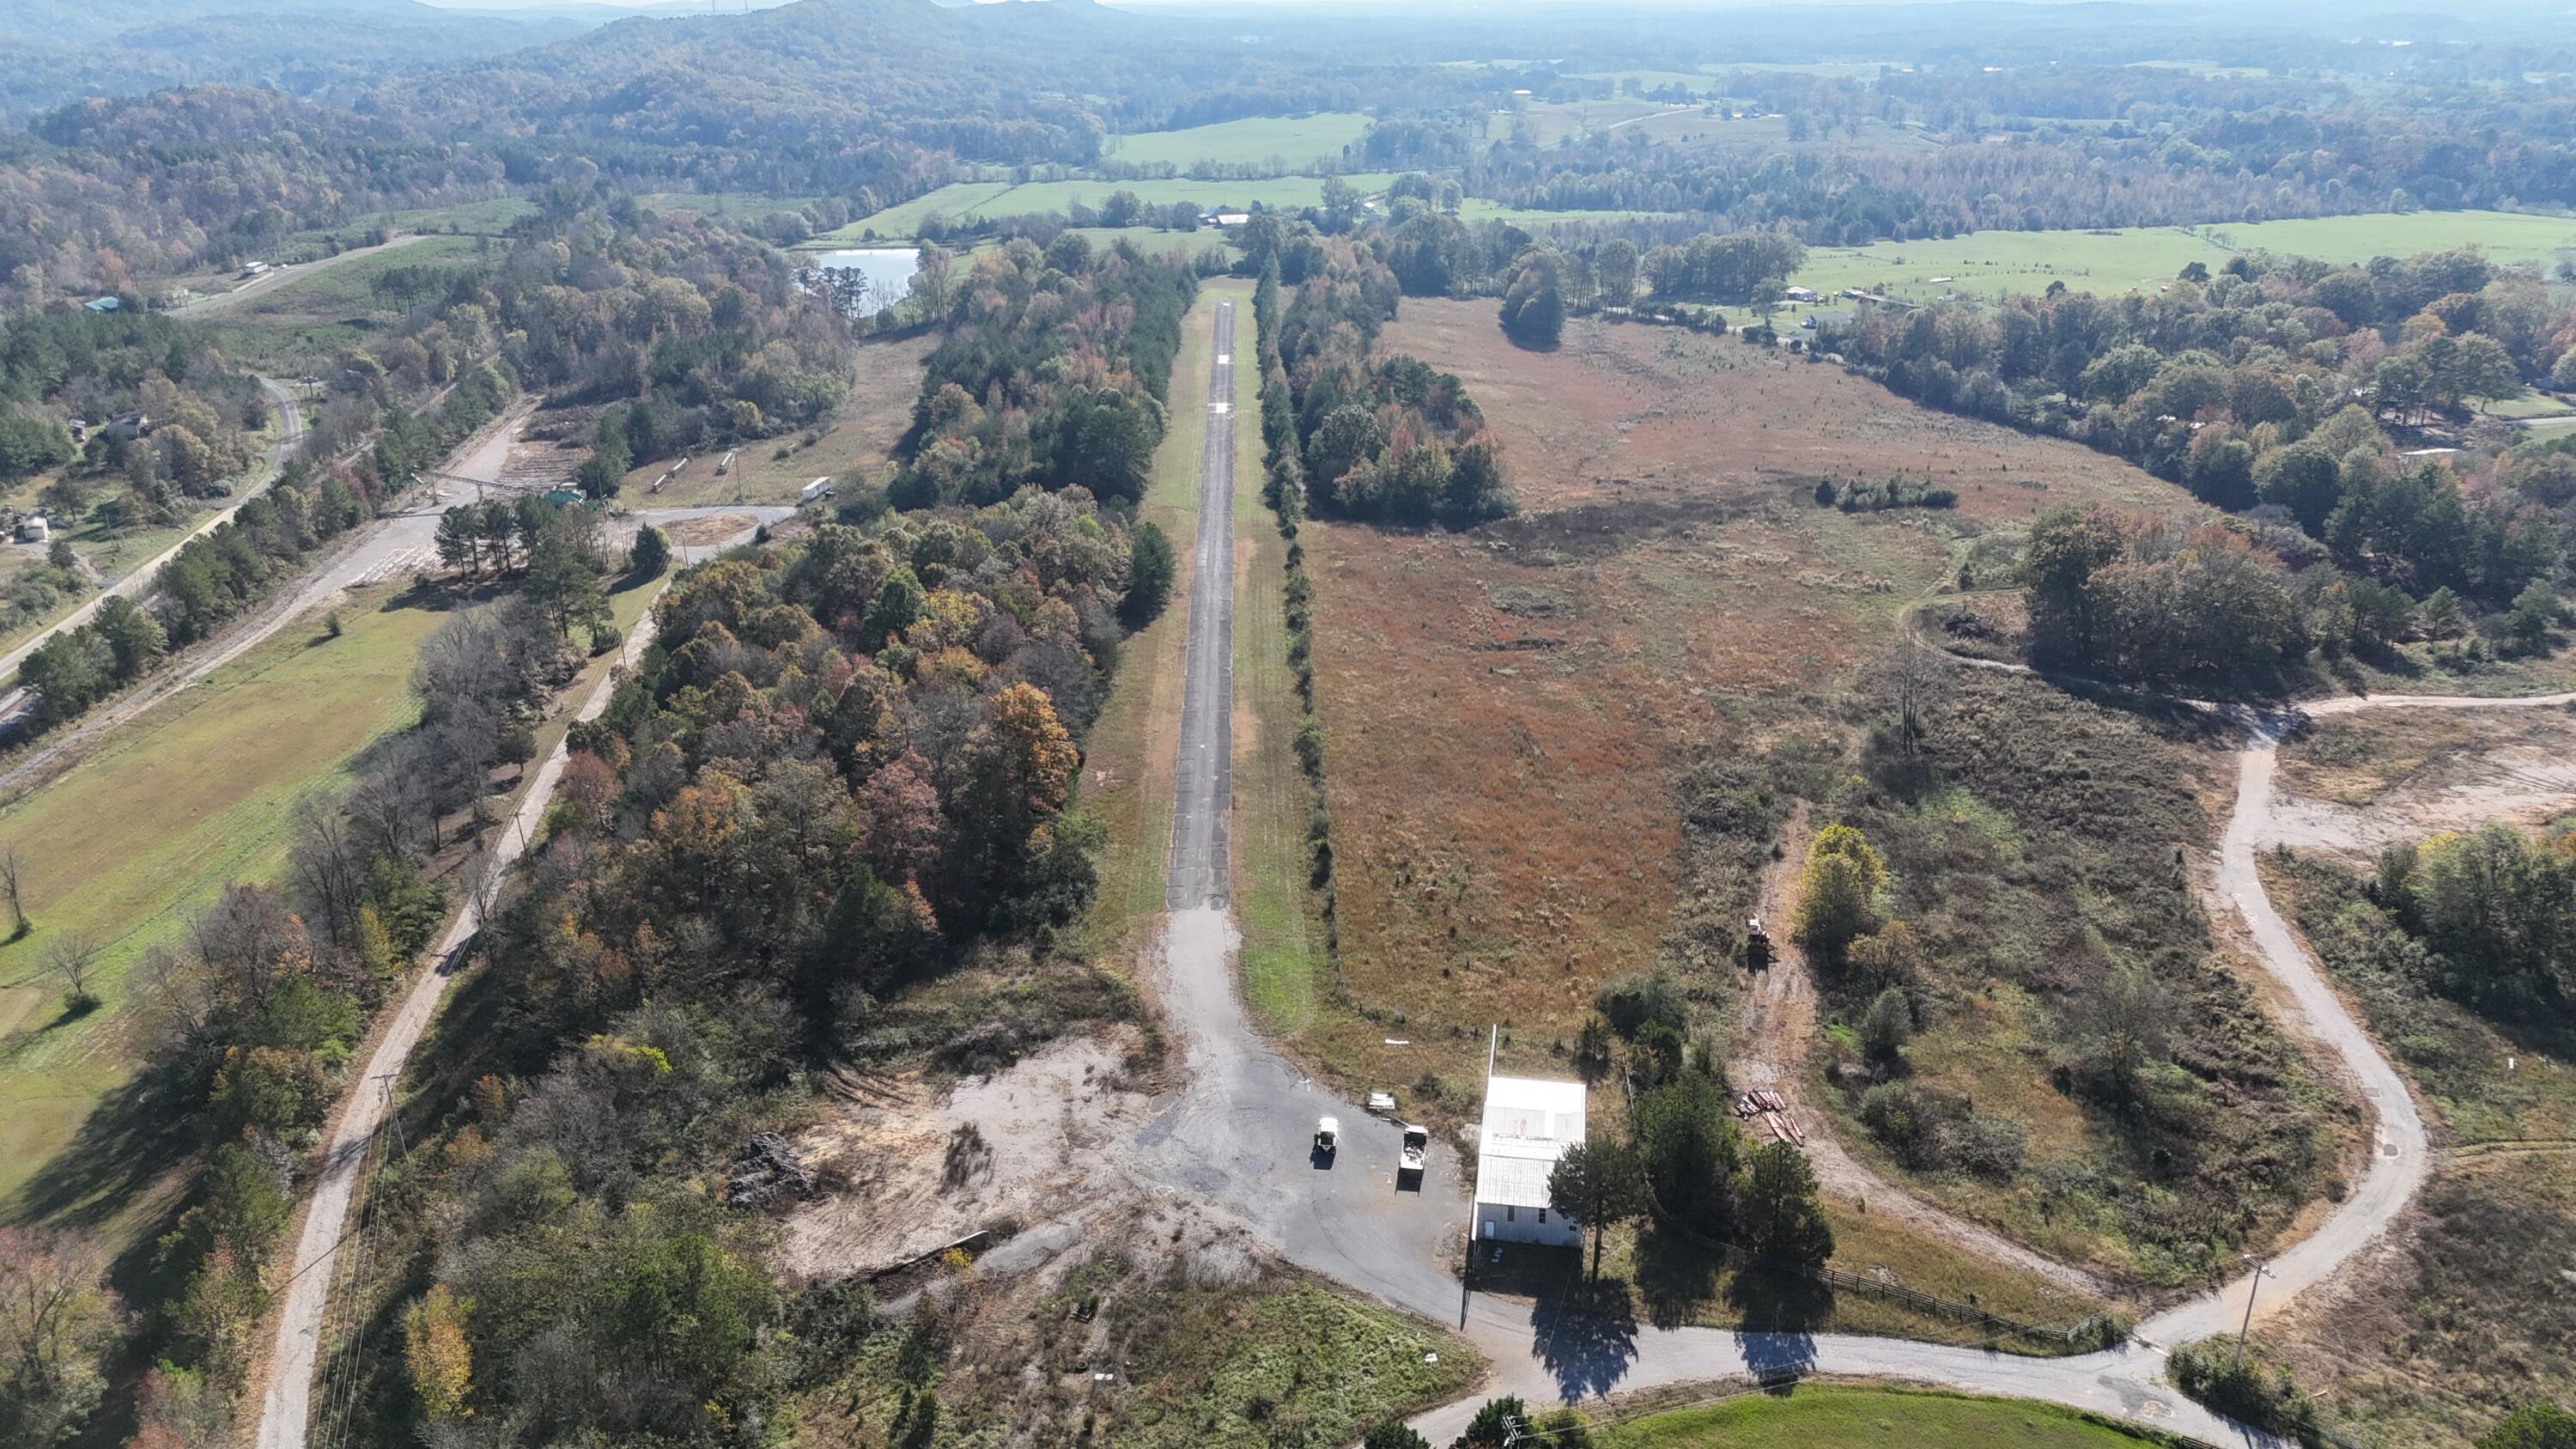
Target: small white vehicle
1417,1145
1328,1135
1381,1102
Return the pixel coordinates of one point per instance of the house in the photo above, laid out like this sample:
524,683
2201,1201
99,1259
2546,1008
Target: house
1528,1125
102,304
1799,294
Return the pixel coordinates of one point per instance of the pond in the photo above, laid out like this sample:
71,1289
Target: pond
888,269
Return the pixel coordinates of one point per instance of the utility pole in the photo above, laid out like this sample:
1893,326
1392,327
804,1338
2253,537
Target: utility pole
2253,1285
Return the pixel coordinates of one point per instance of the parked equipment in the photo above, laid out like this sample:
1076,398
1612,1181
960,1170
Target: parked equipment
1417,1145
1757,946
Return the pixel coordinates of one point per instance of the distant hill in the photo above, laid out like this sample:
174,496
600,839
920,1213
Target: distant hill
830,94
55,51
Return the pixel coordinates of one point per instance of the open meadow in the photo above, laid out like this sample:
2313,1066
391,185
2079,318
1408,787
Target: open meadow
133,839
1291,142
1998,263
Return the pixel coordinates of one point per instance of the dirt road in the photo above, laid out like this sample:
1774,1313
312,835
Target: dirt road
287,1406
271,280
1775,1032
290,432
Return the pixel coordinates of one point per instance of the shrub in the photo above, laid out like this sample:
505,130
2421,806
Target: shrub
2248,1388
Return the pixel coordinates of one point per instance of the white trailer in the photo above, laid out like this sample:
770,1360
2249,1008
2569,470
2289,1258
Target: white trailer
815,491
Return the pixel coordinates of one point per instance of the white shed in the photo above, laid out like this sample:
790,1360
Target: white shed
820,488
1528,1125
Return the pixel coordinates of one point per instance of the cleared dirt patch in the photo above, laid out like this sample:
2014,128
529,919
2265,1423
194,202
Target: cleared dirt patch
909,1169
2355,783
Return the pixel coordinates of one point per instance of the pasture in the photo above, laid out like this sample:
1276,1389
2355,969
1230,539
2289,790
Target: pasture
1293,142
1672,592
1998,263
151,826
129,842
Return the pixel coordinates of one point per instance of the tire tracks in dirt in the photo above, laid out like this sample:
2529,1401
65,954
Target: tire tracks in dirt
1775,1034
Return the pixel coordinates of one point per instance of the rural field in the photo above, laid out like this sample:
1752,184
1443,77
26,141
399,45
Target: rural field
1296,142
1508,711
171,808
1996,263
129,842
1512,716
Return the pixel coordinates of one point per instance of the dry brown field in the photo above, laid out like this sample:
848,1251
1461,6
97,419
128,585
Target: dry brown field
1507,710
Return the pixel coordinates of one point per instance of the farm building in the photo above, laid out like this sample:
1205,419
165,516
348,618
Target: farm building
1528,1125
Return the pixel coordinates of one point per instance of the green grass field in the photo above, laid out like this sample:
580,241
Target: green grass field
1995,263
125,846
1839,1416
972,200
1295,141
191,796
347,292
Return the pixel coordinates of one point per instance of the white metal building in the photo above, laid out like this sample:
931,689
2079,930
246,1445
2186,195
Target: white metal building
1528,1125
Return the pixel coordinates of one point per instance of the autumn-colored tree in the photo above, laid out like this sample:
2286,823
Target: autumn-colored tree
58,1319
903,819
1017,767
435,1350
1836,889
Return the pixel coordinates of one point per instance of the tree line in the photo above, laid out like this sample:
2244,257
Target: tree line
1383,439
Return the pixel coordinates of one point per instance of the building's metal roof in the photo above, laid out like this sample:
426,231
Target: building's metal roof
1528,1125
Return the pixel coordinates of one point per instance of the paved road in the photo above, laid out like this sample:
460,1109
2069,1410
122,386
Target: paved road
1234,1139
290,431
279,276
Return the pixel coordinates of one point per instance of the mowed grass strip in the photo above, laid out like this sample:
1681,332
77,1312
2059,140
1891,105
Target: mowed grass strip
187,798
1835,1416
1274,905
1130,755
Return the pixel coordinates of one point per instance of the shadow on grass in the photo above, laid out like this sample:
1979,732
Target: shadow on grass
139,1131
